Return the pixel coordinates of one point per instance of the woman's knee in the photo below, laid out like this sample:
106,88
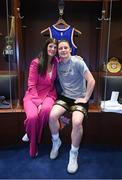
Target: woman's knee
46,109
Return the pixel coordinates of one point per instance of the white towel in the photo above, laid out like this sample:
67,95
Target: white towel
111,106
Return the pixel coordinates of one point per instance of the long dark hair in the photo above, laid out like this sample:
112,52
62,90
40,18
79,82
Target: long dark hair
43,56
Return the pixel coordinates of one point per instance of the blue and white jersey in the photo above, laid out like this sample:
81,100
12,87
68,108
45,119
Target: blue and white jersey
66,33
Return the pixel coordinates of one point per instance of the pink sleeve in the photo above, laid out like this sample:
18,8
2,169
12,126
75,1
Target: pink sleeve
33,80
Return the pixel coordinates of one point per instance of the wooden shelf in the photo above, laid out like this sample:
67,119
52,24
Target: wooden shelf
7,73
92,108
110,74
12,110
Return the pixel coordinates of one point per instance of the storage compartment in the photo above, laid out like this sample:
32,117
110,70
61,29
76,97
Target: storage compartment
111,83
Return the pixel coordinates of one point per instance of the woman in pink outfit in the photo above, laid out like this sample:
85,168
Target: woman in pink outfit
41,93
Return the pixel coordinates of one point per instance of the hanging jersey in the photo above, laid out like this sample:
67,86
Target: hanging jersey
66,33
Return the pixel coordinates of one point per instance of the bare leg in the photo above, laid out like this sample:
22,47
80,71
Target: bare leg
76,135
77,128
56,112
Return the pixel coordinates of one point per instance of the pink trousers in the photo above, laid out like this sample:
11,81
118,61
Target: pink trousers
35,122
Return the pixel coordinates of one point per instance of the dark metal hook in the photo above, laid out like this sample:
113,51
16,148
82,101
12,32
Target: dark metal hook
103,18
21,17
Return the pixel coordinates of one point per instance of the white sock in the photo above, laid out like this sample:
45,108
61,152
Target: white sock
73,148
55,136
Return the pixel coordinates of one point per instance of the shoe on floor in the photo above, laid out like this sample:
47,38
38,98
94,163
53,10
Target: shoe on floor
34,156
25,138
33,151
73,164
55,148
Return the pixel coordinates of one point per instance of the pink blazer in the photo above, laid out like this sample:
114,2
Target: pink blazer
39,87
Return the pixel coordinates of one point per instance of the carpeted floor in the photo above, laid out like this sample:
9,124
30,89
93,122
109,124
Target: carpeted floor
95,162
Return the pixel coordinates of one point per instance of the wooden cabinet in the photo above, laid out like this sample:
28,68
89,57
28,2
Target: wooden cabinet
100,22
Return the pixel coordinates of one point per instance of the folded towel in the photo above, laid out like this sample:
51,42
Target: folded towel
111,106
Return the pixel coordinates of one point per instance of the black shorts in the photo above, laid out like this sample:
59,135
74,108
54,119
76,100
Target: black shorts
70,106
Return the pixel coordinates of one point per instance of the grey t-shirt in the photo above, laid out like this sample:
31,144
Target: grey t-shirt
71,78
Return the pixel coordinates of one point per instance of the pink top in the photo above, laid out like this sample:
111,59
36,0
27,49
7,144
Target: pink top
39,87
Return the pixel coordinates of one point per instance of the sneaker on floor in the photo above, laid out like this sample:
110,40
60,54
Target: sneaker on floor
73,164
55,147
25,138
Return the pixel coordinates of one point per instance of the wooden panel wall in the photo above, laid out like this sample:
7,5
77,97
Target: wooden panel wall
99,128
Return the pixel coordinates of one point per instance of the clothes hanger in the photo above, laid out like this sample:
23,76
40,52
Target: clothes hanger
76,30
59,24
45,30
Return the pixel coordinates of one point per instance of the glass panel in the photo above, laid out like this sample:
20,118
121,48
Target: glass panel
8,68
112,78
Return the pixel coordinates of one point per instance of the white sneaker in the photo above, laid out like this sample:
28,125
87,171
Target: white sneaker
55,148
25,138
73,164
